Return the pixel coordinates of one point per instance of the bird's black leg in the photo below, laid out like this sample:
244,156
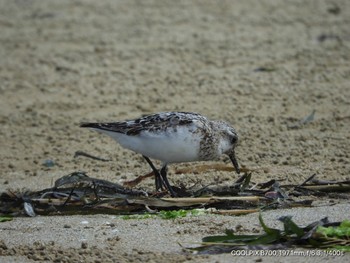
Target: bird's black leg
158,178
163,173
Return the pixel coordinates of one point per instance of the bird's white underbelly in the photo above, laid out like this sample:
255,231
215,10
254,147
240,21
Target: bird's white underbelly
170,147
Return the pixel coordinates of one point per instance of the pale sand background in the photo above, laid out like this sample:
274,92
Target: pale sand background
64,62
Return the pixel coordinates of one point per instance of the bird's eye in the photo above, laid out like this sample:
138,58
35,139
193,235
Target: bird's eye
234,140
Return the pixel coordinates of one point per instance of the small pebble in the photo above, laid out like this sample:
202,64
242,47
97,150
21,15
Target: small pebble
49,163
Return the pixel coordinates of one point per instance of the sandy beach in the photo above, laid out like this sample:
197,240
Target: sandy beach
262,66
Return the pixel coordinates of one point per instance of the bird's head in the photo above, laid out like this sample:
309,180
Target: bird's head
228,142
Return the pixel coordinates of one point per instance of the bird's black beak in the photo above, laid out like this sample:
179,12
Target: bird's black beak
234,161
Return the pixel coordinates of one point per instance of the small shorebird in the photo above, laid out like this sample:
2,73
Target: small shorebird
173,137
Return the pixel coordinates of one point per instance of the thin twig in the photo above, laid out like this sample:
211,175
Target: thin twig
235,211
81,153
138,180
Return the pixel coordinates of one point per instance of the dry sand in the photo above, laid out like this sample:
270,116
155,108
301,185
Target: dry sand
260,65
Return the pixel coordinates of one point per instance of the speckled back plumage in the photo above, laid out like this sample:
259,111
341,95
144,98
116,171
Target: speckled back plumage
159,122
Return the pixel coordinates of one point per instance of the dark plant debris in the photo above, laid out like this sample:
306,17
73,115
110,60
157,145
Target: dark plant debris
78,193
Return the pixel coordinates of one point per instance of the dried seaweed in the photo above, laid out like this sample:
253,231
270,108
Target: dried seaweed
78,193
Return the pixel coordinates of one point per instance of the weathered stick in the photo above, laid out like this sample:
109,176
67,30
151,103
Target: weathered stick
328,188
234,212
213,199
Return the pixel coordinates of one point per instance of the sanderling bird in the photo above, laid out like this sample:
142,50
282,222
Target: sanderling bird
173,137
